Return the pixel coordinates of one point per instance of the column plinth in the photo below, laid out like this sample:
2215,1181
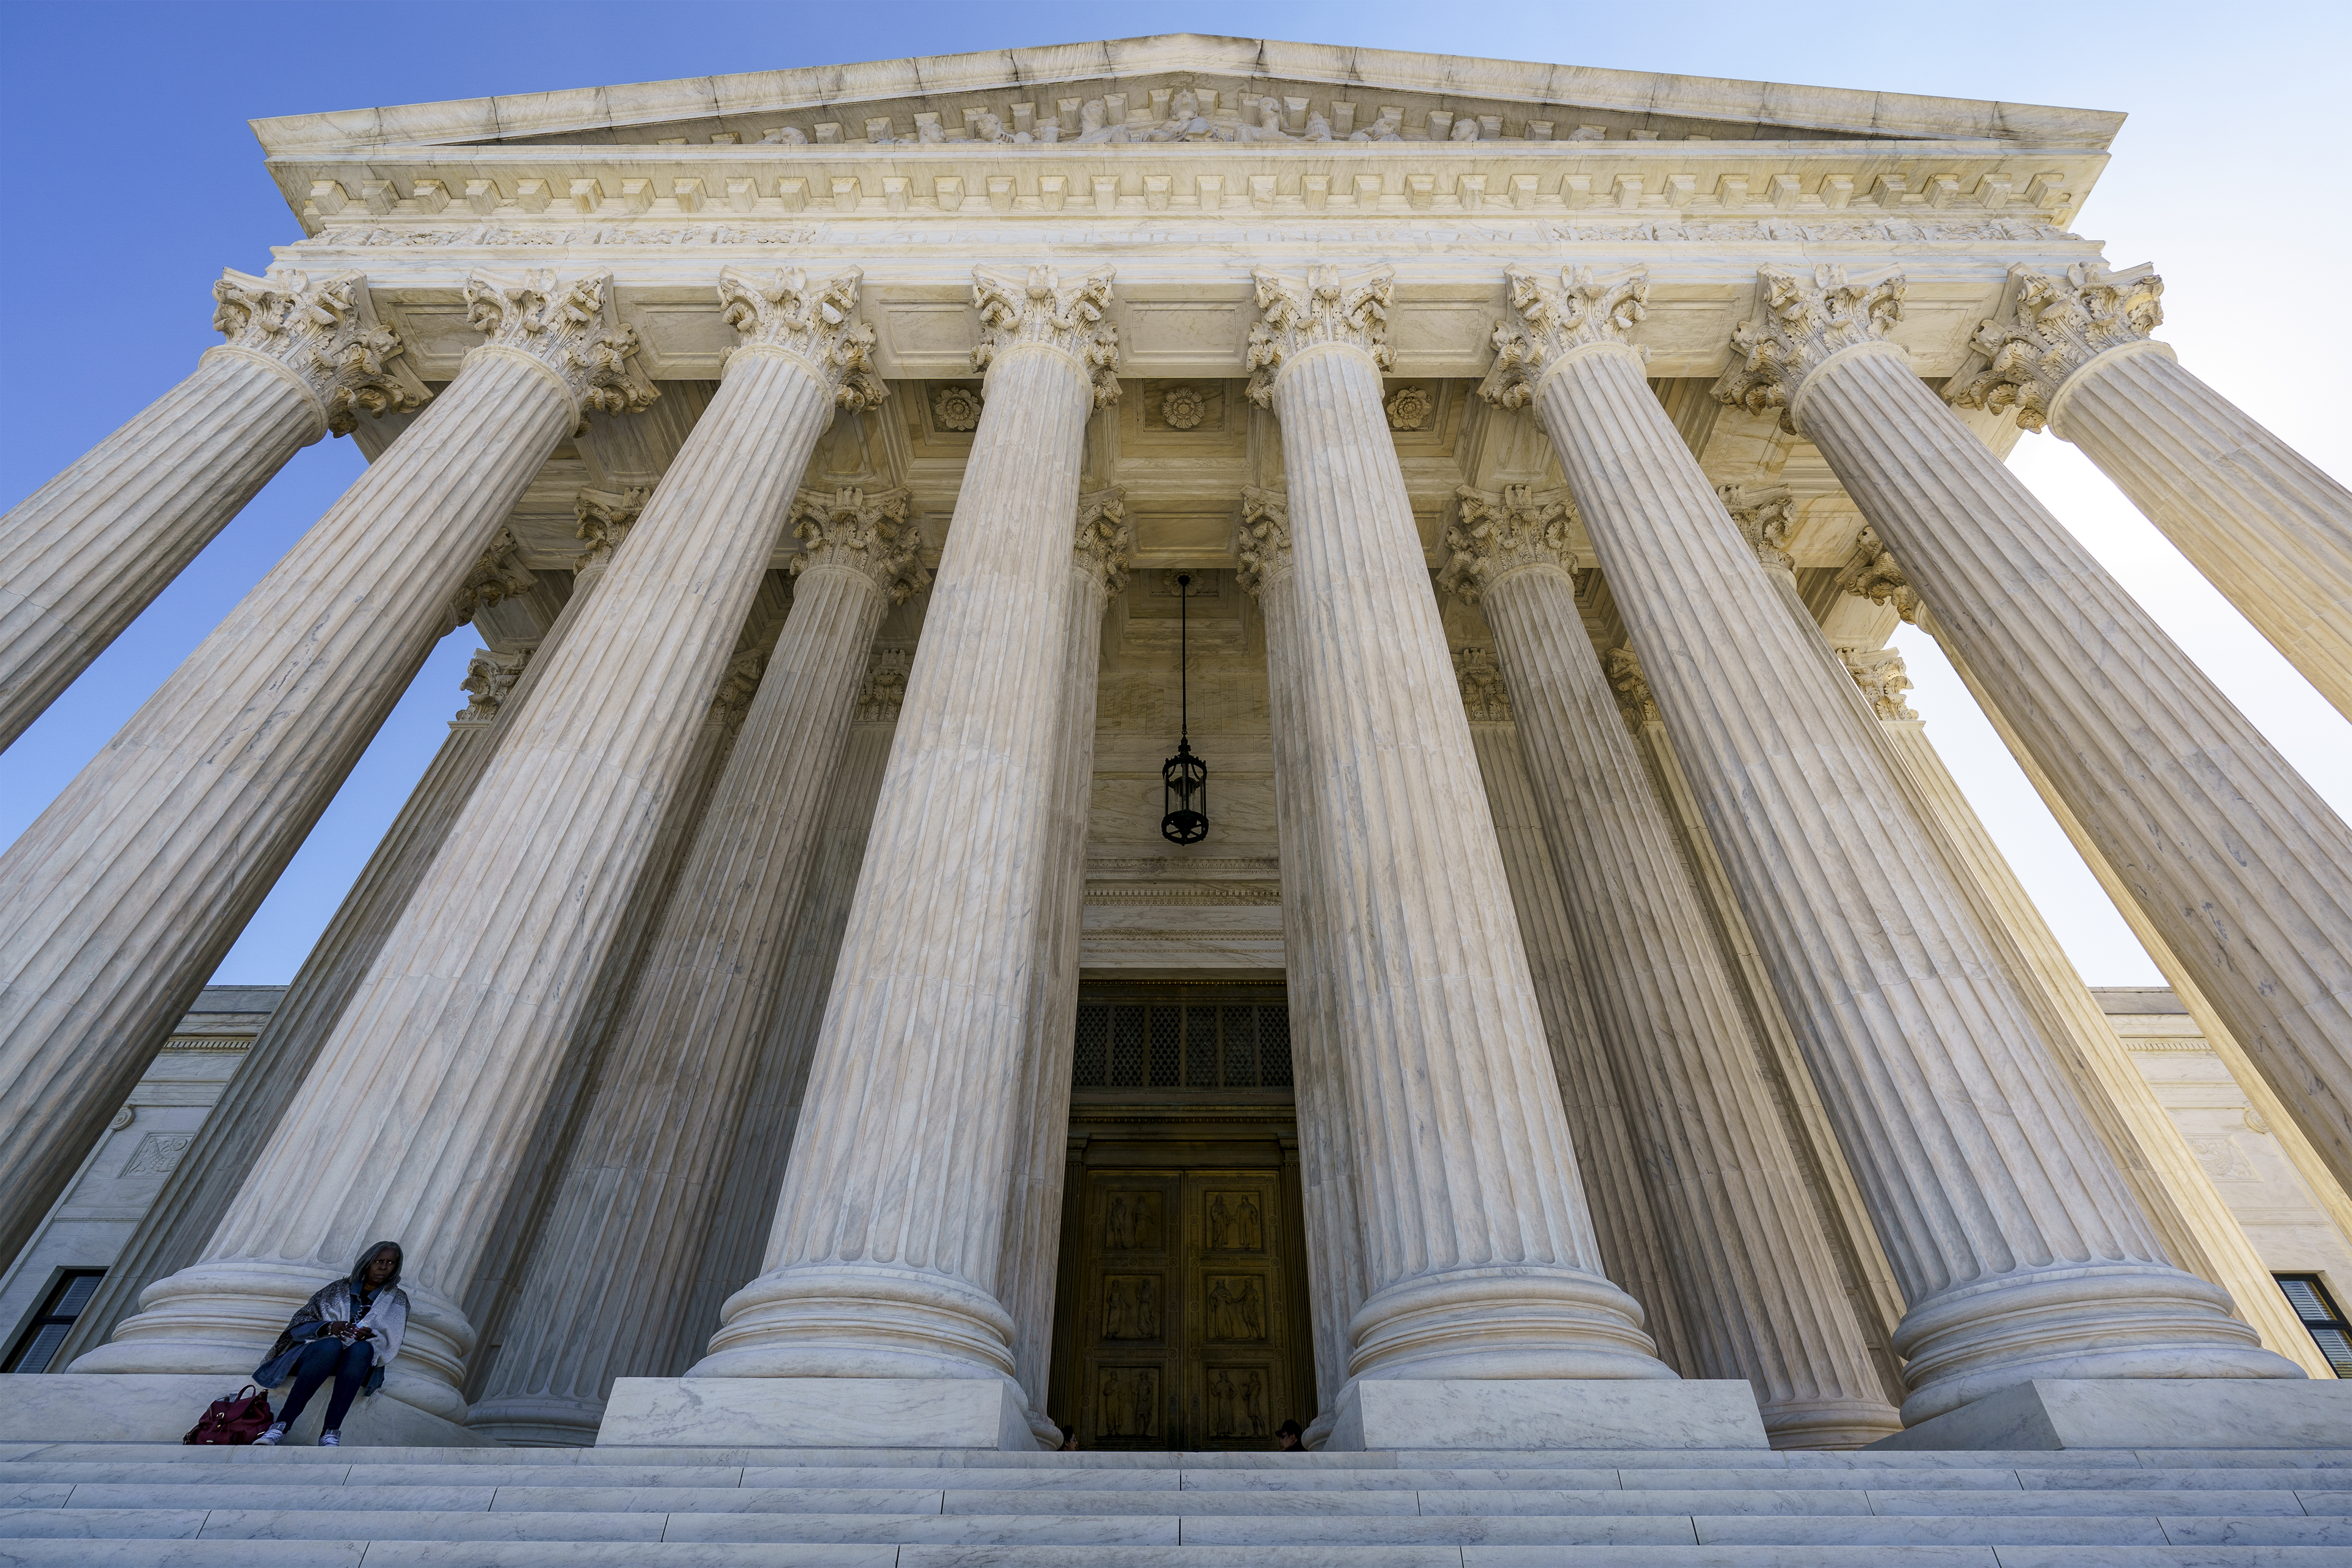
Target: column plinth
465,1015
2262,521
1763,1299
84,554
2000,1212
1480,1256
124,894
887,1244
2234,857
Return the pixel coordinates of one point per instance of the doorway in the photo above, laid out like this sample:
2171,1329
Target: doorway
1182,1317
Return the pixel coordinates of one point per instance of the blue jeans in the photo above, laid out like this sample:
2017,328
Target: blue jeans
323,1358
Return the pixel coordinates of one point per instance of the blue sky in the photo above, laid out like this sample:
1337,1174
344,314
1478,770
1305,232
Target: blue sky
135,181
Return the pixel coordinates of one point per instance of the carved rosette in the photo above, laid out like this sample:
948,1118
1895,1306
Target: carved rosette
488,678
569,326
884,687
1587,308
1485,700
733,698
1017,310
817,325
324,330
1297,315
1765,516
1262,541
1104,539
604,517
1879,673
1800,326
497,574
1871,572
1623,667
1496,534
872,532
2057,326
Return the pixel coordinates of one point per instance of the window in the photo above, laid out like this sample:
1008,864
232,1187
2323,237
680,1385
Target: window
2320,1315
68,1297
1182,1044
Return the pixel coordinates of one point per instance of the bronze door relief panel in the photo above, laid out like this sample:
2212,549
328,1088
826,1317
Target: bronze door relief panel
1187,1284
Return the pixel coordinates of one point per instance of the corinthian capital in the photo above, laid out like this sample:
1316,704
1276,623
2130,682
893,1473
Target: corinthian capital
1765,516
818,325
1800,327
1104,539
324,330
569,326
1263,540
1623,667
1484,699
733,698
1014,310
884,689
1871,572
604,517
1879,672
1586,308
1495,534
2057,326
868,531
497,574
1295,314
490,677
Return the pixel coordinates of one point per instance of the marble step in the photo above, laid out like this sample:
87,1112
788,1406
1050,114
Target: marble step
1960,1502
262,1524
355,1553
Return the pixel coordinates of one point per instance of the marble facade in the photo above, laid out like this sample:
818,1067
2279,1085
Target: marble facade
816,454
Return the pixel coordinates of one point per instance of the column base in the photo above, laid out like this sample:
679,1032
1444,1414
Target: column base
1544,1413
159,1407
816,1413
2145,1413
540,1421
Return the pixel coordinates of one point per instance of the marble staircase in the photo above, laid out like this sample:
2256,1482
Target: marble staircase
146,1506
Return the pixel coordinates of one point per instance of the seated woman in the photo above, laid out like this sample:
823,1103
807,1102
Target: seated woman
349,1331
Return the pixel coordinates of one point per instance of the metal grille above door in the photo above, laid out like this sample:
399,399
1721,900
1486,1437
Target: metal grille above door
1181,1044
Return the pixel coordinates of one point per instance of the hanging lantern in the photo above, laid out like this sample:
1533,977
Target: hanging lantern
1184,778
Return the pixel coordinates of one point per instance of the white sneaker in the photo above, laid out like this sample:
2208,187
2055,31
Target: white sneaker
331,1439
272,1437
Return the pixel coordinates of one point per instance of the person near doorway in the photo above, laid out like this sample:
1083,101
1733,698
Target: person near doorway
347,1331
1290,1438
1069,1438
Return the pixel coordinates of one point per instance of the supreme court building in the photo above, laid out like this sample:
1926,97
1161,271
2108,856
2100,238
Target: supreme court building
787,1012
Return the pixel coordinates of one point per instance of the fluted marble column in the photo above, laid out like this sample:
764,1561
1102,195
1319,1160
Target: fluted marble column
1327,1161
1032,1225
2260,520
1631,1249
123,895
2209,1240
885,1256
1479,1251
746,1209
612,1266
418,1115
2020,1250
172,1232
1762,1293
82,555
2233,856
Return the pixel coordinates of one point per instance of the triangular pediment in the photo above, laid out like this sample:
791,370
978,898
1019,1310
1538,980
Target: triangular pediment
1130,88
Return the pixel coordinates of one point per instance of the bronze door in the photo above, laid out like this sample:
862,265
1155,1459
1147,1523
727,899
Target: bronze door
1188,1299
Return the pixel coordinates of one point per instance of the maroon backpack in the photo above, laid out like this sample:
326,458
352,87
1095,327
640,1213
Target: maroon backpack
237,1419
